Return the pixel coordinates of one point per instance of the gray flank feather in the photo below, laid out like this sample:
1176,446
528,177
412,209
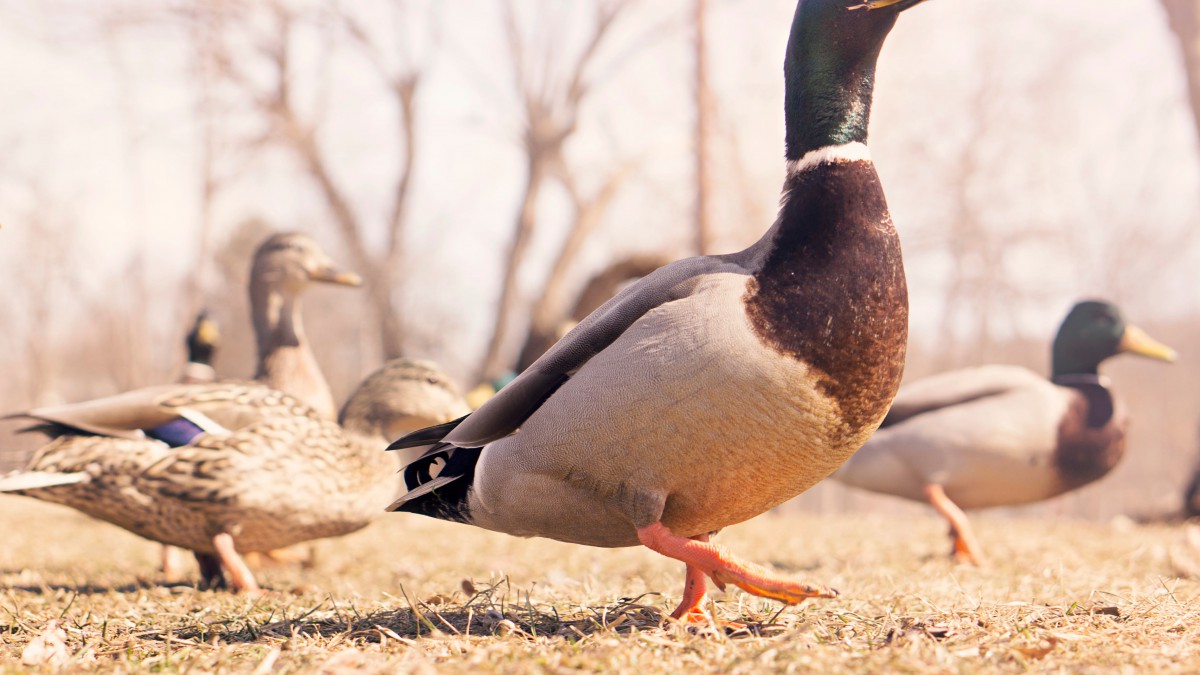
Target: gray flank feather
513,404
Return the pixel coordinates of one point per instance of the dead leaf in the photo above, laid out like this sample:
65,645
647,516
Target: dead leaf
49,648
438,599
938,632
507,627
469,588
1040,651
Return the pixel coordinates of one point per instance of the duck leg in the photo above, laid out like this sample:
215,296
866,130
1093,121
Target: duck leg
725,568
695,590
966,548
239,573
279,557
211,576
171,563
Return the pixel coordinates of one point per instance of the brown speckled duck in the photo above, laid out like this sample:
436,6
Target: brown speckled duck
716,387
202,342
286,264
226,468
1004,435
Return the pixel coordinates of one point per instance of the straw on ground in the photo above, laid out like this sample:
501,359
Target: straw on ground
414,594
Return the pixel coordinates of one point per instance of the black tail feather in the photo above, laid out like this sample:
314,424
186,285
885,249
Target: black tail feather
438,483
426,436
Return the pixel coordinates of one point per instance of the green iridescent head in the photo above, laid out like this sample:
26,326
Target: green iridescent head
1093,331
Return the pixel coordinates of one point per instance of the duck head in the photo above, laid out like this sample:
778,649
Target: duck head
289,261
1093,331
829,71
203,339
403,395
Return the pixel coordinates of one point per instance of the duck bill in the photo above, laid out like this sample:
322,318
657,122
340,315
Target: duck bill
330,275
208,332
1137,341
898,5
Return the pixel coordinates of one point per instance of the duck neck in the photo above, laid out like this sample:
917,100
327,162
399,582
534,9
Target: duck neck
829,74
1066,361
285,361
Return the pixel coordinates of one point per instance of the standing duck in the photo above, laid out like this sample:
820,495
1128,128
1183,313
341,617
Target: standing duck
1003,435
406,395
284,266
201,342
716,387
225,468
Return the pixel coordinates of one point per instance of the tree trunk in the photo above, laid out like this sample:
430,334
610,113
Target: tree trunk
604,285
1183,17
703,132
495,363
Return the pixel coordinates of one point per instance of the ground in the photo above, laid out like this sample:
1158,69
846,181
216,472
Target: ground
412,594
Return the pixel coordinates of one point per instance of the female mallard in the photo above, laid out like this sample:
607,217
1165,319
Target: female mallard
201,342
284,266
226,468
716,387
1004,435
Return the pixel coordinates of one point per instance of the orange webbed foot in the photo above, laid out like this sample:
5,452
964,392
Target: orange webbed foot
758,580
704,558
966,549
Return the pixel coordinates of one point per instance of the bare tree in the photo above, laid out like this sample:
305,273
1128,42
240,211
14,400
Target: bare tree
702,90
1183,17
550,109
265,79
47,277
602,286
978,234
213,146
978,286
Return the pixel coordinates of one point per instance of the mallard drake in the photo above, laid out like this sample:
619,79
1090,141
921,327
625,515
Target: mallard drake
716,387
202,342
1003,435
225,468
285,264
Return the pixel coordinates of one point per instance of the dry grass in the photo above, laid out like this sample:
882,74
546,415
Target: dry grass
1059,596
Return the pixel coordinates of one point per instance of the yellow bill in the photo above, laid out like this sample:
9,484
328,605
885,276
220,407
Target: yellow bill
1137,341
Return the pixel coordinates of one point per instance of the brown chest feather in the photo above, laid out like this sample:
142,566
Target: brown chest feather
832,292
1091,436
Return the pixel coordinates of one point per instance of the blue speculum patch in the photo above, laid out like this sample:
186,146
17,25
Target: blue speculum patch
175,433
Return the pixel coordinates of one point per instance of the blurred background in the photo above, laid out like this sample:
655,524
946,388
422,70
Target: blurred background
482,163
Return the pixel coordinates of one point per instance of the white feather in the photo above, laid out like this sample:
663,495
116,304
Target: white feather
846,152
32,480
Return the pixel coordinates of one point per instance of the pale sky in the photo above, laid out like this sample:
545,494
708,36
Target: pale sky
1088,132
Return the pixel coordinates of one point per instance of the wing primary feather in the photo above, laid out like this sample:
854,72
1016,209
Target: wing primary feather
426,436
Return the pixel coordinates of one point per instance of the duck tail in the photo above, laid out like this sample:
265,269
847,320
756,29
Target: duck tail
438,476
424,438
33,480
